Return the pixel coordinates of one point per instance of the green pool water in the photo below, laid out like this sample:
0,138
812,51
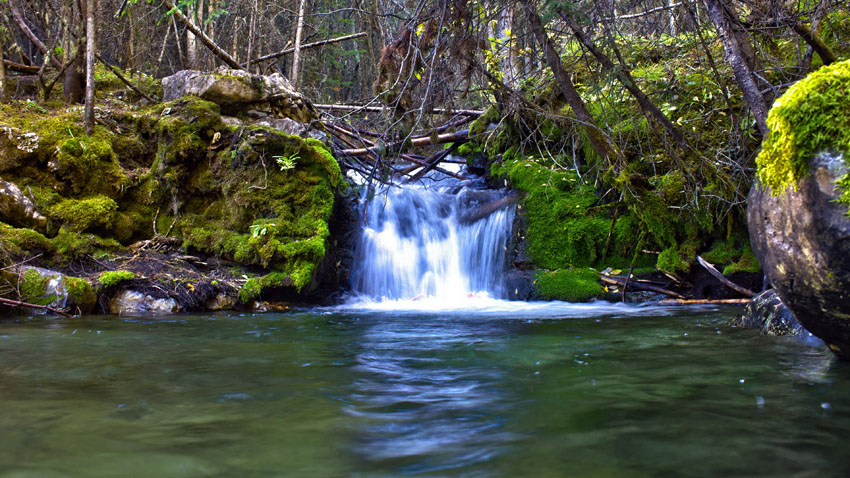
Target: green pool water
324,393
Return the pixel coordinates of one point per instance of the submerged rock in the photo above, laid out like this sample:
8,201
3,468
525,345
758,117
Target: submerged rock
767,313
798,211
131,302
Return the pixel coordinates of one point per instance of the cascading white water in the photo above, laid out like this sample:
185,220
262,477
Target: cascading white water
416,245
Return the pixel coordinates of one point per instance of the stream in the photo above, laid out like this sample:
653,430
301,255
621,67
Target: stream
357,391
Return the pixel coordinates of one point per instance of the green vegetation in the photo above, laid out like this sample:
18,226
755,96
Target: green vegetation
33,288
571,285
810,118
110,278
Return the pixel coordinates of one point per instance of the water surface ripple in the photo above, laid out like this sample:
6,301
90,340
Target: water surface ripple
358,392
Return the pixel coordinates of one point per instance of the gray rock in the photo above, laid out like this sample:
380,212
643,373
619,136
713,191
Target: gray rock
17,209
131,302
802,239
767,313
238,90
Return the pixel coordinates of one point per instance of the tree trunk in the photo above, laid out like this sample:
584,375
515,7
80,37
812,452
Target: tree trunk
598,141
31,36
736,57
90,51
625,77
507,49
296,55
3,87
191,45
72,86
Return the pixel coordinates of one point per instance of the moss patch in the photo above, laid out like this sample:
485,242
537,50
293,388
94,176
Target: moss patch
110,278
33,288
571,285
810,118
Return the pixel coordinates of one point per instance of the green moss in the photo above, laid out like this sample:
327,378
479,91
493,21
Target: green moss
254,287
571,285
71,245
563,231
23,242
721,253
83,214
80,293
33,288
747,263
110,278
678,258
810,118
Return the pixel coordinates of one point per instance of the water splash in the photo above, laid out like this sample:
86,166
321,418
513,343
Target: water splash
416,244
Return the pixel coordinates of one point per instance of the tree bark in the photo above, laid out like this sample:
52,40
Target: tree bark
90,51
74,77
735,55
625,77
296,54
3,87
598,141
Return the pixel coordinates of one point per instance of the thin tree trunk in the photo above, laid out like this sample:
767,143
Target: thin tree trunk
600,144
90,51
625,77
3,86
296,55
740,66
74,77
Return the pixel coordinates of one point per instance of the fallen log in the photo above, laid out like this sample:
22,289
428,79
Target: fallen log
29,69
621,281
279,54
457,136
719,276
435,160
489,208
18,303
424,162
701,301
379,109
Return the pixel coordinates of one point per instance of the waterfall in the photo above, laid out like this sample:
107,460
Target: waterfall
422,242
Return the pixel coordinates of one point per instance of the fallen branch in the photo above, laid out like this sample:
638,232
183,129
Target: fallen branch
489,208
457,136
719,276
17,303
217,50
622,281
435,160
701,301
379,109
29,34
11,65
125,80
279,54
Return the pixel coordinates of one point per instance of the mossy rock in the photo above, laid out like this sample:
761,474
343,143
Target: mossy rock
49,288
570,285
812,117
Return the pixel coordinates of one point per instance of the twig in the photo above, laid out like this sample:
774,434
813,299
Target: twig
18,303
279,54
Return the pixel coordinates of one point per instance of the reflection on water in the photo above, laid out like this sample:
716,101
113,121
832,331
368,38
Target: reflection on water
423,400
359,393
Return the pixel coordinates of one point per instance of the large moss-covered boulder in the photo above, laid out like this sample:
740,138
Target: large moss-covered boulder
798,209
238,90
